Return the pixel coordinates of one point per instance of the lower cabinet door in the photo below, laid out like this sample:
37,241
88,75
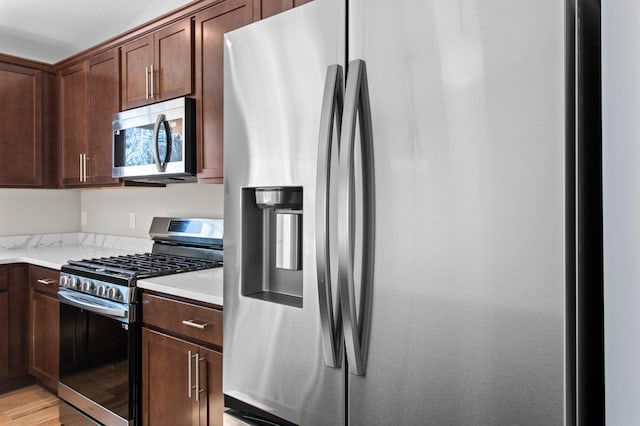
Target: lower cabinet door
212,402
4,335
173,371
44,345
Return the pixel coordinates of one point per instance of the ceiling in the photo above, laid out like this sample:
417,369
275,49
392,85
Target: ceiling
51,30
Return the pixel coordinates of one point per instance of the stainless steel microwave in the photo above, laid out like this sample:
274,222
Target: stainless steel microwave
156,143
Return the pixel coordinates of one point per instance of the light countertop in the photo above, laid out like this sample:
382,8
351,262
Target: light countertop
55,257
204,286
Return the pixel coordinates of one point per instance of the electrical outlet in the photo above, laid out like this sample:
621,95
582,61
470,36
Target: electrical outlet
83,218
132,220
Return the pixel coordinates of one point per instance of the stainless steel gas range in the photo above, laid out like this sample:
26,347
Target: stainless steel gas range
100,321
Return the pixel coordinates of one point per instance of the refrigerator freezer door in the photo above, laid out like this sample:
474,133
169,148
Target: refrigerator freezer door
274,83
468,112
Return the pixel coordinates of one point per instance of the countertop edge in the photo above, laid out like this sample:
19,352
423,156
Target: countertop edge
30,261
180,292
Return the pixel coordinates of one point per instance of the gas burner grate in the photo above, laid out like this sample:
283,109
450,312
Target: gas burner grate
144,265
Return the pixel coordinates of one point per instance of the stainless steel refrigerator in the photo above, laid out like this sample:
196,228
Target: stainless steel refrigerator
411,214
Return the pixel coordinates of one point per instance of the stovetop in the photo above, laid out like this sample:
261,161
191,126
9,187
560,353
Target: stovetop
180,245
144,265
125,270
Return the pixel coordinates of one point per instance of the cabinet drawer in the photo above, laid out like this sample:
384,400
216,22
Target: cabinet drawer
44,279
186,319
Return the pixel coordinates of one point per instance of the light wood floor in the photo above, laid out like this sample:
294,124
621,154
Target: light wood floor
34,405
29,406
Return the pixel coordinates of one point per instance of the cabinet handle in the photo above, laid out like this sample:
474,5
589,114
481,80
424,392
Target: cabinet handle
47,281
80,173
197,378
152,85
191,387
86,173
194,324
198,390
83,167
189,374
146,82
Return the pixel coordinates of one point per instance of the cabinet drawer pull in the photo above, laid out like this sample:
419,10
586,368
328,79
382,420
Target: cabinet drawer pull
47,281
193,323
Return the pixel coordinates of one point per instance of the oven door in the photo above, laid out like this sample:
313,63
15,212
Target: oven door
98,347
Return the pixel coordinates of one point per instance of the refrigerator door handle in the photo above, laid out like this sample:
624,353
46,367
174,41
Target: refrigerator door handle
330,119
357,108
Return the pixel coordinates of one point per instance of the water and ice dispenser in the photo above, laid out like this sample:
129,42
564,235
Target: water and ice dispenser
272,244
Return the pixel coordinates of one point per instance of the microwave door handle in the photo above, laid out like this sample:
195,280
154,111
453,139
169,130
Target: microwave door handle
167,155
160,119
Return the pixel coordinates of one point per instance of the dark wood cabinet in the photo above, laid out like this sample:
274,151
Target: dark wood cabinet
4,332
137,58
89,96
21,126
104,101
166,364
44,319
211,24
73,123
174,61
158,66
265,8
14,291
176,358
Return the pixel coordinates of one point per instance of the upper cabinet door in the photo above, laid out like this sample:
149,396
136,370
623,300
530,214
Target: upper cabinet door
173,70
211,24
73,123
104,101
89,96
21,126
158,66
137,60
263,9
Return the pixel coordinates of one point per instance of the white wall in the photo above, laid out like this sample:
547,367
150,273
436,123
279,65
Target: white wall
47,211
39,211
621,174
108,210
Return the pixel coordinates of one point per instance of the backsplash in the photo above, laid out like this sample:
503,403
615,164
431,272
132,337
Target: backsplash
115,242
39,211
129,211
75,238
39,240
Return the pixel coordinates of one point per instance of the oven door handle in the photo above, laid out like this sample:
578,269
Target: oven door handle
71,299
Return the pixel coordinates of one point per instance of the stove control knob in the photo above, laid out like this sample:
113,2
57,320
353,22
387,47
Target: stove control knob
64,281
87,286
101,291
113,293
73,283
